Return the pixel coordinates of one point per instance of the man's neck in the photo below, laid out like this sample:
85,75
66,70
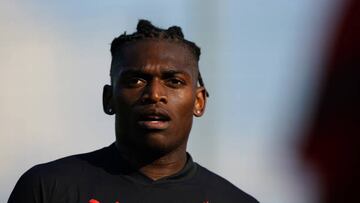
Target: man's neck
159,166
164,166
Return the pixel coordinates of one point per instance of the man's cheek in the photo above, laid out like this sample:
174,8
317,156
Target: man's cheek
124,99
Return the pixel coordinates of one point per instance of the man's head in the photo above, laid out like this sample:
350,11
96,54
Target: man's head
154,89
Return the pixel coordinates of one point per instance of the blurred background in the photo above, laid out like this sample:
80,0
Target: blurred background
262,62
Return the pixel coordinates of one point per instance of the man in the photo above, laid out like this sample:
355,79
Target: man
154,94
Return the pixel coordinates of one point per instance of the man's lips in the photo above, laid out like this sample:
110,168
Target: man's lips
154,119
154,125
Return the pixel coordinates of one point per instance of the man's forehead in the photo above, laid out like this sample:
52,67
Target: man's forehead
154,53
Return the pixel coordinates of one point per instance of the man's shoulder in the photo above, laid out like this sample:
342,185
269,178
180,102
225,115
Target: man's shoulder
221,188
65,166
58,175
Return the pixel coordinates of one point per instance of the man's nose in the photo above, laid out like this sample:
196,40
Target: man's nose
154,92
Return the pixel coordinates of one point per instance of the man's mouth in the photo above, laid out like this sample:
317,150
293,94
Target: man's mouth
154,121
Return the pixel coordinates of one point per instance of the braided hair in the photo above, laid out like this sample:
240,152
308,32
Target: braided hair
146,30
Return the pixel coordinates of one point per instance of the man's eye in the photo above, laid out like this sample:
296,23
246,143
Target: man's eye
174,82
134,82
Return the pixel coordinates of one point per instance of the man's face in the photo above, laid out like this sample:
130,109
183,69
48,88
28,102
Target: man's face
155,95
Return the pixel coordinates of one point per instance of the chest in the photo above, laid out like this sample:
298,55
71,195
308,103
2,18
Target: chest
120,190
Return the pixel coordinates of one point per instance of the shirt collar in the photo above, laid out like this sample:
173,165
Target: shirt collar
122,167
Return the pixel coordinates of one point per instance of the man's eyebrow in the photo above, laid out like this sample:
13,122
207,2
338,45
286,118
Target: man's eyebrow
172,72
165,73
130,72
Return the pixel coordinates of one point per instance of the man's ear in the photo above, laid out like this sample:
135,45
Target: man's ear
200,102
107,100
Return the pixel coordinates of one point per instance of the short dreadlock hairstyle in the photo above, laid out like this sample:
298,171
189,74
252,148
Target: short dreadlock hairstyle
146,30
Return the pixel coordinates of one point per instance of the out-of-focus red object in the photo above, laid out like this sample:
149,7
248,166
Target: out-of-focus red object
93,201
332,143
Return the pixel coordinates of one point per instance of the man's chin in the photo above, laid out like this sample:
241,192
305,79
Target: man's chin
156,141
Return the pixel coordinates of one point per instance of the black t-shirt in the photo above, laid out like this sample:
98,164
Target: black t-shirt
103,176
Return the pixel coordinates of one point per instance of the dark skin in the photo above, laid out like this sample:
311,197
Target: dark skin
154,95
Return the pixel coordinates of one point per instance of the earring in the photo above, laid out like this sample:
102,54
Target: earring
110,111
